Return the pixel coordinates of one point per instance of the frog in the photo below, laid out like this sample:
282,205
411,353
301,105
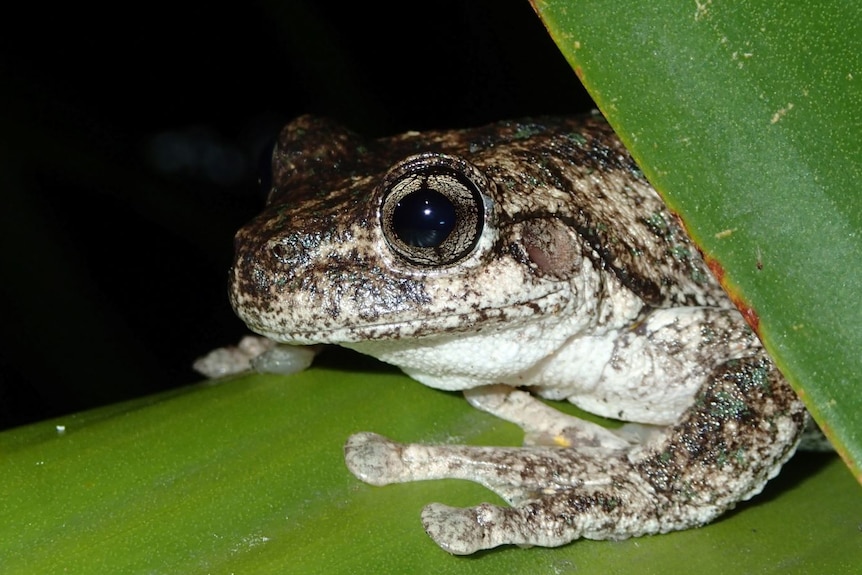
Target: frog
520,263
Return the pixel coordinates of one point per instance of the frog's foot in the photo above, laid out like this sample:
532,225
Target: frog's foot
462,531
233,358
515,473
454,528
285,359
258,353
542,424
744,424
377,460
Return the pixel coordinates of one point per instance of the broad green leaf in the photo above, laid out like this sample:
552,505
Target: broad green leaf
246,476
747,117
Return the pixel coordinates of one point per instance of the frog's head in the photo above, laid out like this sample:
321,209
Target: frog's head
402,237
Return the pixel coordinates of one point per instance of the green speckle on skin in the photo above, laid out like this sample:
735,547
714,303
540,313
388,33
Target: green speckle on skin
728,406
577,139
760,379
680,253
699,277
657,224
526,131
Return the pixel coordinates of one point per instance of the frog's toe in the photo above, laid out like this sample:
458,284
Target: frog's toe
462,531
373,458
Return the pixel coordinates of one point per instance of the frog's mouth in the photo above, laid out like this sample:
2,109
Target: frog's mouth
328,330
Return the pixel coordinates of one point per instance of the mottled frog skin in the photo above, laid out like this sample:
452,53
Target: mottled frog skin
519,260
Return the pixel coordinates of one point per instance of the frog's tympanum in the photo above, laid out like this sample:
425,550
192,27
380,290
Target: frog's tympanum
520,260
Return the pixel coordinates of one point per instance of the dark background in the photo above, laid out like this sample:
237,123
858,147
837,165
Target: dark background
131,140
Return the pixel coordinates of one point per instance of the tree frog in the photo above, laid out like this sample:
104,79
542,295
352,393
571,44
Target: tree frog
518,261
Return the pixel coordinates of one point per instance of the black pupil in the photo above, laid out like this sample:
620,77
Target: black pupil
424,218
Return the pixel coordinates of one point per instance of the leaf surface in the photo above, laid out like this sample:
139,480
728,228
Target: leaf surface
247,476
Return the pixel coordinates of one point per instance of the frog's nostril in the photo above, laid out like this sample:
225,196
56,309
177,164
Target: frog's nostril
284,253
292,251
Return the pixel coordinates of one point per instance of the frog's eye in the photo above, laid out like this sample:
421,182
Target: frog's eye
433,209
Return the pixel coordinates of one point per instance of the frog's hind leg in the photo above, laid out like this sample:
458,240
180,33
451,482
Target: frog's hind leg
557,494
744,424
542,424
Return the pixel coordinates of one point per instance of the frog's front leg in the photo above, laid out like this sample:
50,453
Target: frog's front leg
745,422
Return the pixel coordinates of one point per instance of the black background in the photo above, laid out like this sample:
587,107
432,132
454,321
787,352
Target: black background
130,143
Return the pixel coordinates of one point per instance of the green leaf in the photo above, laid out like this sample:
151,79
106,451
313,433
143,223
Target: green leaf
747,117
246,476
